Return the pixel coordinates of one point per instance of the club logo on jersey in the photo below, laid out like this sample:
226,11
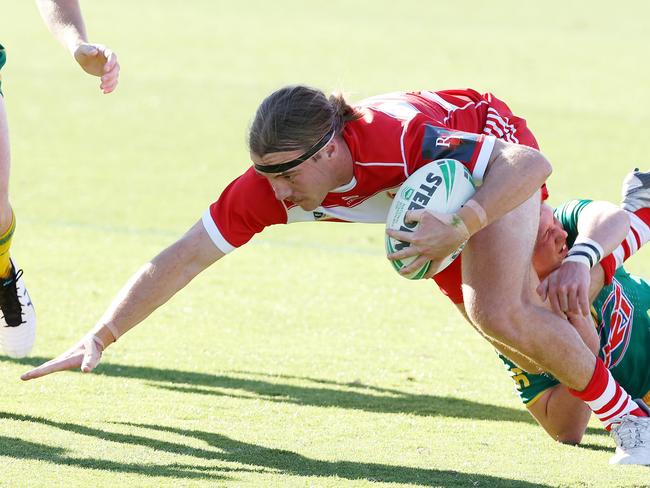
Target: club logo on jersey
319,215
439,143
620,325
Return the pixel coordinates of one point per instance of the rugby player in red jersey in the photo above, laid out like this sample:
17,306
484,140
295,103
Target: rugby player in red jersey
321,159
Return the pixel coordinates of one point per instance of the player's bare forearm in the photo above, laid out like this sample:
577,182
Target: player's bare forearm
563,416
64,20
150,287
157,281
513,175
605,223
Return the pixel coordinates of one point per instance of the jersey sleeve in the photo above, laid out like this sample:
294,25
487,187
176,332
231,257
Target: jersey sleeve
568,214
529,386
246,207
426,141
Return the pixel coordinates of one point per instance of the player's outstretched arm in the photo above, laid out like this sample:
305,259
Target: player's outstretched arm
150,287
65,21
600,224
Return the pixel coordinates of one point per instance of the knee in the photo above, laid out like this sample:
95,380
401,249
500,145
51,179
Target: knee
504,323
569,436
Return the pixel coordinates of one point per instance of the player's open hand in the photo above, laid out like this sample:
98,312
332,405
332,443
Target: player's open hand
86,354
567,289
98,60
436,237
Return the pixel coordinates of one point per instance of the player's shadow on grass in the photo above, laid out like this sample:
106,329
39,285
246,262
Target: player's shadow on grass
318,392
220,448
20,449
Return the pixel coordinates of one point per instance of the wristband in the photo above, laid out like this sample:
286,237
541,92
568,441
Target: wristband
479,211
113,331
99,342
585,251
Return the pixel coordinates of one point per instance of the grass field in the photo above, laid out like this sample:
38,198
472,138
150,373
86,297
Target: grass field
302,359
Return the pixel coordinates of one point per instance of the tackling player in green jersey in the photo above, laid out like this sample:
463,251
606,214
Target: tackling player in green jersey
620,310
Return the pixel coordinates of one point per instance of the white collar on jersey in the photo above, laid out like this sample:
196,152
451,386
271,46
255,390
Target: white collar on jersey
346,187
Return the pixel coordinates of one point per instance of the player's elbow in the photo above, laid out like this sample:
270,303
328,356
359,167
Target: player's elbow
541,167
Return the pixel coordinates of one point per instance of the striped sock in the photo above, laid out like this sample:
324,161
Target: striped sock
638,235
606,398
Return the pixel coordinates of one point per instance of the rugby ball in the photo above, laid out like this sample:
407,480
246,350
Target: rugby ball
441,186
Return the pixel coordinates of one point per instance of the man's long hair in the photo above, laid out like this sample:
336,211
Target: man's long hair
297,117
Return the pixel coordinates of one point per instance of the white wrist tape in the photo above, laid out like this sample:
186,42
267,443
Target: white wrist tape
478,210
585,251
113,331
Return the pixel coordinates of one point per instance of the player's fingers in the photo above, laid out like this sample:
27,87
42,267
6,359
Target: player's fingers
574,304
413,216
583,298
542,290
407,252
563,299
400,235
93,353
111,60
52,366
110,76
414,266
433,268
554,301
108,87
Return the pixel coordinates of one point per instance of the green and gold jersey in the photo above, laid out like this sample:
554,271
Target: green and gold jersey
621,313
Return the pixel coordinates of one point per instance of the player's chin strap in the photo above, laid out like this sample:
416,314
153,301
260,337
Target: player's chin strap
282,167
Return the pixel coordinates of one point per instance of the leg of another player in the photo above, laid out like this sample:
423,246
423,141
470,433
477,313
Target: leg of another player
6,215
18,321
500,298
499,286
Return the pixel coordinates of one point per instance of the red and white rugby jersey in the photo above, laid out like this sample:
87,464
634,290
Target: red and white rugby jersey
398,133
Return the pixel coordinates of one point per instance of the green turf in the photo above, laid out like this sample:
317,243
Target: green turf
303,359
